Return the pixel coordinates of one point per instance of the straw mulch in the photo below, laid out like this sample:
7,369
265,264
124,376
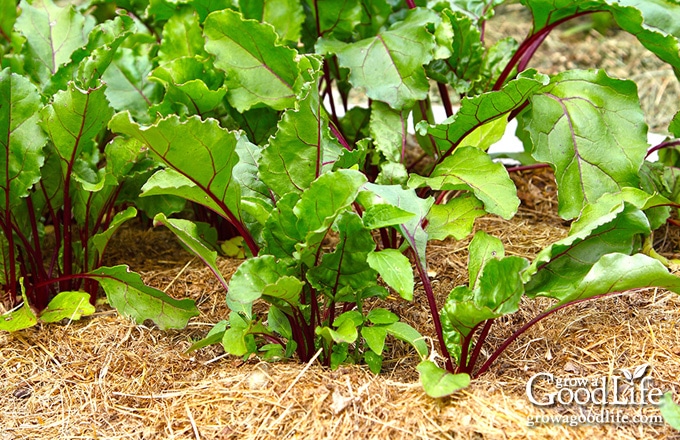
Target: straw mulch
105,377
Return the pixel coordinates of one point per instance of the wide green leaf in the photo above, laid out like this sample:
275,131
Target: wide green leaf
389,129
390,65
21,139
201,156
259,71
301,149
286,16
52,34
72,122
438,382
375,338
472,169
127,292
182,37
128,84
483,248
591,129
8,15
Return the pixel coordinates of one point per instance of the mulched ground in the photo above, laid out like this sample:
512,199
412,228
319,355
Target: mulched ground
105,377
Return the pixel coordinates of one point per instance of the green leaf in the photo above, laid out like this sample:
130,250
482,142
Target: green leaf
405,200
670,411
375,338
604,228
335,18
202,173
52,35
395,268
128,84
337,189
483,248
182,37
472,169
382,316
438,382
280,233
191,88
346,332
278,322
262,275
345,268
101,239
463,42
618,273
484,108
21,318
286,16
389,130
390,65
374,361
214,336
408,334
8,15
236,339
591,129
127,292
259,71
382,215
70,305
187,232
454,219
72,122
302,148
21,139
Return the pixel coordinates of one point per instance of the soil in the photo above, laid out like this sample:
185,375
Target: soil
105,377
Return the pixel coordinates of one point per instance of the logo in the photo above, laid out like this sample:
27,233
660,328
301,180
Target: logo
633,388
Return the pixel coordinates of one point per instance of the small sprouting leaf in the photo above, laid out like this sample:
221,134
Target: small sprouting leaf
262,275
438,382
21,318
235,339
591,129
131,297
101,239
408,334
381,316
390,65
68,305
670,411
454,219
214,336
374,361
259,71
395,268
483,247
346,332
472,169
375,337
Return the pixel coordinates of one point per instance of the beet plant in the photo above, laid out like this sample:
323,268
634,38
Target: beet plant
246,107
66,184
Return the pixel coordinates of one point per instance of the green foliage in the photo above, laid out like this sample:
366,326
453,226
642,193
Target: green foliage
234,108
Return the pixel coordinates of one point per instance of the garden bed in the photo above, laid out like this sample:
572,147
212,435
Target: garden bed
104,377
